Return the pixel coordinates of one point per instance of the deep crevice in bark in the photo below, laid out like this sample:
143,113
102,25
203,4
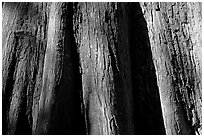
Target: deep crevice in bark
6,98
23,127
75,60
71,121
145,90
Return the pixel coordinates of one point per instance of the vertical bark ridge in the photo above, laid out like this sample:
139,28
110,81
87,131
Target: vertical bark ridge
103,87
59,103
9,12
23,36
41,40
175,42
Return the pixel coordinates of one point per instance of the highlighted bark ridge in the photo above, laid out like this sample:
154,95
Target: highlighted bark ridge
97,30
175,37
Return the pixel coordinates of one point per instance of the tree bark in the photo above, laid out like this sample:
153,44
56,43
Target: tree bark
175,37
147,106
22,58
116,83
58,76
106,92
93,68
39,89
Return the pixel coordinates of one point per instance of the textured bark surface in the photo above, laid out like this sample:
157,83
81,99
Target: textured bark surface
175,37
23,44
88,68
105,98
112,42
40,97
58,106
147,107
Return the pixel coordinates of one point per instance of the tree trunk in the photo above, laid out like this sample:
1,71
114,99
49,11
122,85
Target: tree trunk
175,37
88,68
